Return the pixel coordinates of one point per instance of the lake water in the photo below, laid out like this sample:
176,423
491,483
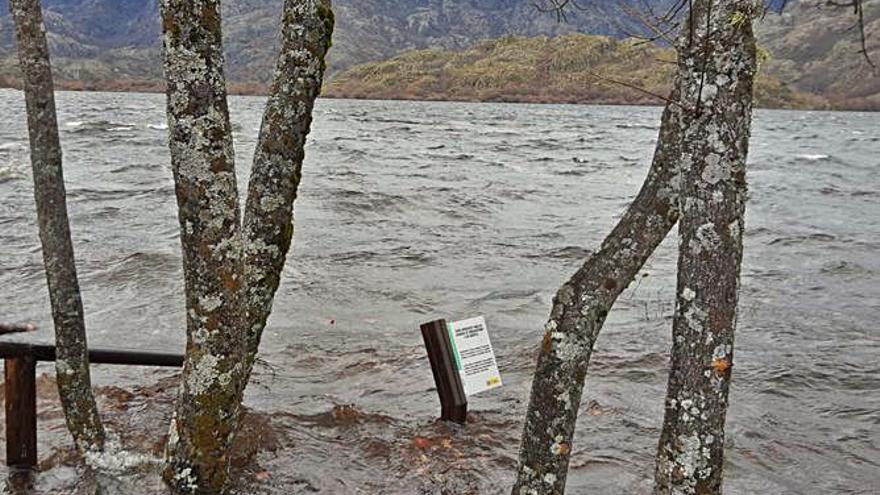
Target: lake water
412,211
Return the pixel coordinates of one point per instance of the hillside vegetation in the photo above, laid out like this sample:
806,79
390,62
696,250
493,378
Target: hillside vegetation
815,47
573,68
116,45
98,40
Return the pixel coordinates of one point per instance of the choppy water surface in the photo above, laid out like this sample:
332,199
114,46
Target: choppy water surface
412,211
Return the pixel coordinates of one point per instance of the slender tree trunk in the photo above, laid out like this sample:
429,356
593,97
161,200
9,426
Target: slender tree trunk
72,366
307,28
579,310
200,138
720,56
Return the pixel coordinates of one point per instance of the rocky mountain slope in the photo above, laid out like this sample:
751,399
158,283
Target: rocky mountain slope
107,39
815,47
107,42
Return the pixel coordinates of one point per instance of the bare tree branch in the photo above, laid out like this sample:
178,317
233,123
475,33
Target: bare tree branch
858,8
558,7
7,328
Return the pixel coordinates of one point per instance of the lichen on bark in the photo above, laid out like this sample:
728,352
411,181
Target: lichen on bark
231,272
705,131
719,57
579,311
200,139
72,364
307,28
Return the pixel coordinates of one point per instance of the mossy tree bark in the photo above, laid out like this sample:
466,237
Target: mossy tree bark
72,365
200,139
705,129
719,56
231,272
579,311
307,28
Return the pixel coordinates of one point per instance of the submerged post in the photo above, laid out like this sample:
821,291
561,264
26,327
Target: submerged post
21,412
453,401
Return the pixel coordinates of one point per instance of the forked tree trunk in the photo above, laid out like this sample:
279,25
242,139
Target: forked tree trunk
307,27
579,310
231,274
721,60
200,139
72,365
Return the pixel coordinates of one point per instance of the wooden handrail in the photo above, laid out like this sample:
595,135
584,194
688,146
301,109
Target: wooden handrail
44,352
21,391
7,328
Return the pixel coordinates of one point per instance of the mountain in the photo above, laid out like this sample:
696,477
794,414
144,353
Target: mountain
119,39
815,47
104,42
573,68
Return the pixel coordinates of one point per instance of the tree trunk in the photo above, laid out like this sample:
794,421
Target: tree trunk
579,310
719,56
307,28
200,139
231,275
72,366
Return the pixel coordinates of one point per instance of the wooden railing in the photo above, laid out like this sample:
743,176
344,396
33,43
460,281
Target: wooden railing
21,377
21,390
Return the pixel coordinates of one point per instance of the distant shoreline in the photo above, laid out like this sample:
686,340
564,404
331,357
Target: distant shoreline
260,89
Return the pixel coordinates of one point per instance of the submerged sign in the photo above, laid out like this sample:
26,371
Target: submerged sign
474,357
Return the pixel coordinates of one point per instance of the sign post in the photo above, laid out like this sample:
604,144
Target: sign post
453,401
462,361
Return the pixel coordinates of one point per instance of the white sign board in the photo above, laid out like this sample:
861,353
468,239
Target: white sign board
474,357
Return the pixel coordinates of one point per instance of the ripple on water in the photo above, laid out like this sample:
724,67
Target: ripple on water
412,211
